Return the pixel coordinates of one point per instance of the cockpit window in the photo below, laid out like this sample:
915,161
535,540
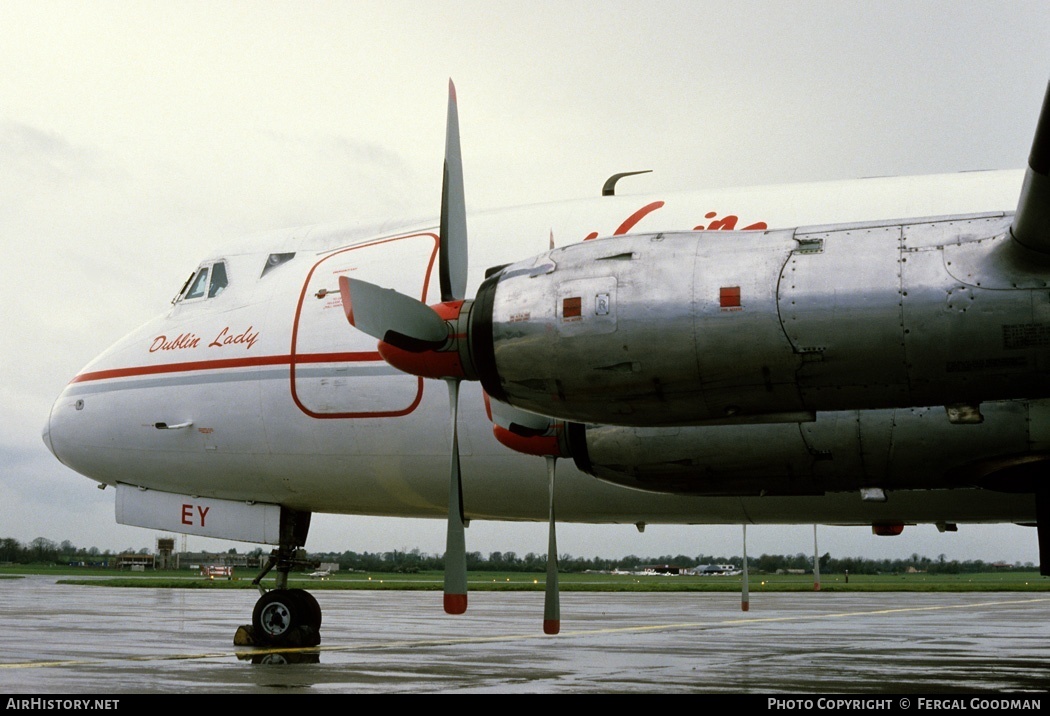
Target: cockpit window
199,284
275,260
209,281
218,280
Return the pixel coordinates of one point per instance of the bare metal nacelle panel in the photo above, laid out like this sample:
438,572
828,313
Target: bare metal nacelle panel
739,327
840,451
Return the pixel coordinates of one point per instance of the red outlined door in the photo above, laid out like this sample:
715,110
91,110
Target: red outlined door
336,371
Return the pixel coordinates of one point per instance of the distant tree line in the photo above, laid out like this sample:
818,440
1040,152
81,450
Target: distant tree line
416,561
45,551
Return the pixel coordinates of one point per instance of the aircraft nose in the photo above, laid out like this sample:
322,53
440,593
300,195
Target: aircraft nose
46,435
56,432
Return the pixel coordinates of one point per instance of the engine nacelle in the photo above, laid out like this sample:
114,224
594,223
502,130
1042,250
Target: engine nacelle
840,451
721,327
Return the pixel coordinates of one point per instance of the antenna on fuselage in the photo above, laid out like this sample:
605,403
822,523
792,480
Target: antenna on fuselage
609,189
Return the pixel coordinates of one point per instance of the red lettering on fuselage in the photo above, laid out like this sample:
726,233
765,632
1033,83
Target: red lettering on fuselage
225,339
192,340
187,514
726,223
183,340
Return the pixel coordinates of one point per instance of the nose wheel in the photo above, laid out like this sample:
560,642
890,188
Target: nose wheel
283,616
287,617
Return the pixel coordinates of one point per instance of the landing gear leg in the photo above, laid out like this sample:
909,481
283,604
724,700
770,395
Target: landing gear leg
1042,528
283,616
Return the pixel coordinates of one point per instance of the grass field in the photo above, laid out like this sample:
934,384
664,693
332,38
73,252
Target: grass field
1006,581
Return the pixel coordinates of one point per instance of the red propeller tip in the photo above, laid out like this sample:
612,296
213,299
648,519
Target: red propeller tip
551,626
455,603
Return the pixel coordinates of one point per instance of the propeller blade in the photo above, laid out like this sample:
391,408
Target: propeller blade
816,562
390,316
452,256
455,542
745,596
551,600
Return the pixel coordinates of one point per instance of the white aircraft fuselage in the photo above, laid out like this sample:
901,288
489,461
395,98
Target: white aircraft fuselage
263,394
868,352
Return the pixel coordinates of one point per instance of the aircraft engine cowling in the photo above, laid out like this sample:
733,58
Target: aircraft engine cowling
606,331
881,451
741,327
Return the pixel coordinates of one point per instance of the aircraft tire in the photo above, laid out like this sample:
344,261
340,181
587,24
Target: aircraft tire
278,615
313,609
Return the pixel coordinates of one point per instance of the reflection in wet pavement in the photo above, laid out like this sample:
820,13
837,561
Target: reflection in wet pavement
98,640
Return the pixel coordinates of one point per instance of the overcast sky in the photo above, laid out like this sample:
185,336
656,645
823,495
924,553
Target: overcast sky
135,136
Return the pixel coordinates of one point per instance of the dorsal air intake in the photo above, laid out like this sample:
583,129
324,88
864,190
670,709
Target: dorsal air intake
1031,227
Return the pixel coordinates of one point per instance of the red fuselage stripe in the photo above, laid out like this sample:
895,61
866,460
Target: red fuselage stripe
190,366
